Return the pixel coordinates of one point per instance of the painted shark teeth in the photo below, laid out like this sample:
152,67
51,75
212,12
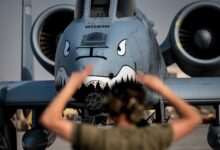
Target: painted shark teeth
126,74
61,78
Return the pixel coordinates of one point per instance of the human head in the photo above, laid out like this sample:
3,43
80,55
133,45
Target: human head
126,98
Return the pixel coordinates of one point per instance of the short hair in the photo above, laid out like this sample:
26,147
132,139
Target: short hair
127,98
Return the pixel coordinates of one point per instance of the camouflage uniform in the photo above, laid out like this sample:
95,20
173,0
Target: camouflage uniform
87,137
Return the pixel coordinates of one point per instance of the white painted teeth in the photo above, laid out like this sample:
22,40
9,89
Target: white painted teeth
126,73
61,77
95,83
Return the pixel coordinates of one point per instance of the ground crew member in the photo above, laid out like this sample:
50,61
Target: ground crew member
125,104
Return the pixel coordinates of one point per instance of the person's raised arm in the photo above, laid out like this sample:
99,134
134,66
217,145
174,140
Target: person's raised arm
189,116
52,116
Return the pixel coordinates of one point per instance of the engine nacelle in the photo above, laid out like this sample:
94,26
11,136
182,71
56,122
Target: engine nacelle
195,39
46,32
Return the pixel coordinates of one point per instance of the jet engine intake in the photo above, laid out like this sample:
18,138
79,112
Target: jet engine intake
195,39
46,32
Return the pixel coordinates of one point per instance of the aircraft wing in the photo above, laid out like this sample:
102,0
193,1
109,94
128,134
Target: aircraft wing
197,91
27,93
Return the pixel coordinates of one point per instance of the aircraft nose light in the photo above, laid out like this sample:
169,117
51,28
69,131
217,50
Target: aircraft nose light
111,76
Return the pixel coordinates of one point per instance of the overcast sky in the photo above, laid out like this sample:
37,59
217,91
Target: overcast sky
160,11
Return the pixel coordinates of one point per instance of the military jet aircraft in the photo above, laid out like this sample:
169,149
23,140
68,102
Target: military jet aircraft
117,39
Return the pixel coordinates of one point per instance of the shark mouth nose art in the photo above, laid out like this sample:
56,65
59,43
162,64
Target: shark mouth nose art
126,74
95,87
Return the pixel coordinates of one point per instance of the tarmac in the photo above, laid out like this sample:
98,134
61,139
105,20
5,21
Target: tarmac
197,140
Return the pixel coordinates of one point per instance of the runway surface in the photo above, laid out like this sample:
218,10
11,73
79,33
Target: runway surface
197,140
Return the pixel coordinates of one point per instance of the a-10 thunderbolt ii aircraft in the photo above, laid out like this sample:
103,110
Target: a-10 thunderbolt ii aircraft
117,39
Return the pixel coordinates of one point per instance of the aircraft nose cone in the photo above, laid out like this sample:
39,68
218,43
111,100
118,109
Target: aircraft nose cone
203,38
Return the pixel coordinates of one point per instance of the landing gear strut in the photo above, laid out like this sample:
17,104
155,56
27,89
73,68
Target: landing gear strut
8,140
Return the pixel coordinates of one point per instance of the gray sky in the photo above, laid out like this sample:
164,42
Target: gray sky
160,11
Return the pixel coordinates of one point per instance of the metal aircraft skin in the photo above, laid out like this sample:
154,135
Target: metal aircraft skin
116,47
118,39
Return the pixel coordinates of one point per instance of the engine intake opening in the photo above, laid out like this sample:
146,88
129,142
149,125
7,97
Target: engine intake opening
199,33
51,29
46,32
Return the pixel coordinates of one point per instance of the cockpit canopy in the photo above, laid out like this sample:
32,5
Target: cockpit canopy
101,8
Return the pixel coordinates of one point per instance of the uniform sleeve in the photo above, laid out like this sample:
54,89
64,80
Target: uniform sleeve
161,136
87,137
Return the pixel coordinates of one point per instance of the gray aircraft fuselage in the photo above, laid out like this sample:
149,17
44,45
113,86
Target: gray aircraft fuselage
116,47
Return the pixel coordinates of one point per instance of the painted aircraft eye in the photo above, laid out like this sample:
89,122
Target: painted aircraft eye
122,48
67,49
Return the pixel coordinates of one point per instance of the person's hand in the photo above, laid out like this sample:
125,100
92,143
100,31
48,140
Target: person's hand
77,78
151,81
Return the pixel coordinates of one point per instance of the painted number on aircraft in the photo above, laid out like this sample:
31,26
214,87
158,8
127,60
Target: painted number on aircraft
96,26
